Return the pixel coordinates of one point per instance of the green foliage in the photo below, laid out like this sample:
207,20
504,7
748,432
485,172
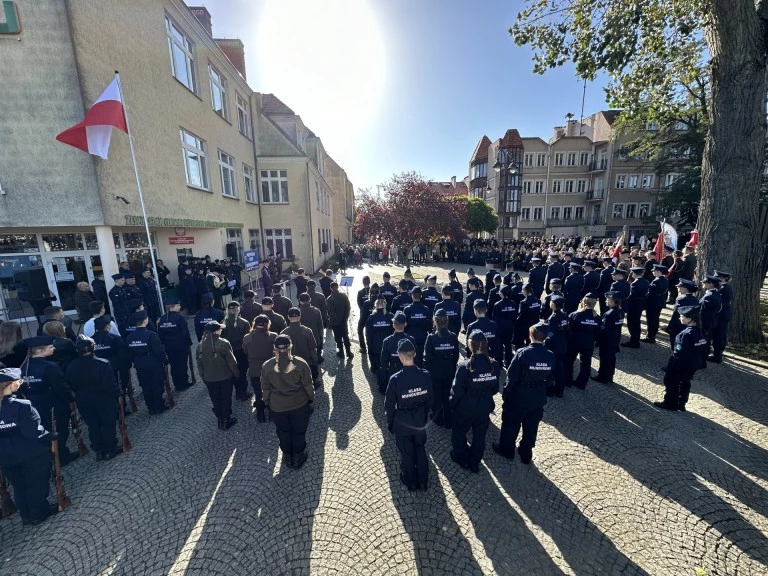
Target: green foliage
481,217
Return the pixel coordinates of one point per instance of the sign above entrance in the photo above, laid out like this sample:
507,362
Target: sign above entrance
176,240
178,222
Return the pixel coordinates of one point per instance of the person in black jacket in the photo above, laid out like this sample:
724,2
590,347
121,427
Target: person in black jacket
419,319
377,328
686,289
555,269
389,362
208,313
606,279
487,326
610,338
635,304
527,315
655,302
457,290
711,306
114,350
557,341
441,354
537,277
573,286
452,309
476,383
402,299
100,289
583,332
720,334
504,313
174,334
362,297
148,357
474,293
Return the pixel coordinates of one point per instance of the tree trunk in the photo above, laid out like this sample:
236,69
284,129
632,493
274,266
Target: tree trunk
733,159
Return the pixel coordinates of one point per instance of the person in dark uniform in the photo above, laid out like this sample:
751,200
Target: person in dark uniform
471,401
490,274
635,304
487,327
114,350
368,308
441,354
325,283
474,293
300,281
456,288
362,296
506,280
259,345
312,318
388,290
655,302
119,301
235,329
280,303
402,299
189,295
338,312
555,269
218,368
554,288
583,331
276,321
249,308
286,384
25,451
148,288
148,357
207,313
100,289
711,306
419,322
408,398
452,308
504,313
558,325
389,363
537,277
606,279
132,292
409,282
201,286
531,372
430,296
527,315
493,295
174,334
591,278
303,343
96,392
46,387
377,328
674,275
686,288
620,286
472,278
720,334
573,287
688,355
610,338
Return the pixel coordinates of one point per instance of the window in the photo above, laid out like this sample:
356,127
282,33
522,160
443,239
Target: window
580,212
569,186
525,214
554,213
571,159
541,159
195,165
621,181
623,155
274,186
669,180
647,180
227,172
477,192
603,159
539,186
644,209
248,184
599,186
633,181
567,212
630,211
235,236
538,213
218,92
243,119
557,186
581,186
528,160
527,187
181,50
651,126
279,242
584,159
480,171
559,158
618,210
254,239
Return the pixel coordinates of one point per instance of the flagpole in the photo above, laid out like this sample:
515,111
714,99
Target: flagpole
141,196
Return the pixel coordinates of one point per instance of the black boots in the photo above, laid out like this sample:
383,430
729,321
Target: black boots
260,417
295,461
227,423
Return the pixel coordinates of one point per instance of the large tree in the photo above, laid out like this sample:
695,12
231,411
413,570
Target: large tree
653,52
481,217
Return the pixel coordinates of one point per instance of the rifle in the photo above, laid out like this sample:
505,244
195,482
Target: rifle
191,365
127,446
62,499
132,400
167,382
7,507
74,421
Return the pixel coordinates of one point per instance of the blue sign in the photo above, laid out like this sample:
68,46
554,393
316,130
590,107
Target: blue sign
251,258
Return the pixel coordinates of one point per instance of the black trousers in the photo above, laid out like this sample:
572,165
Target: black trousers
562,376
241,384
291,428
62,413
258,397
441,407
151,381
177,357
341,336
506,350
652,314
522,337
374,356
512,419
677,387
413,458
221,397
607,362
100,414
30,479
462,423
361,334
720,336
585,368
633,325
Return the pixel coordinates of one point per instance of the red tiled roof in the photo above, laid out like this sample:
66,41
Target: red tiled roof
447,188
511,139
272,105
481,150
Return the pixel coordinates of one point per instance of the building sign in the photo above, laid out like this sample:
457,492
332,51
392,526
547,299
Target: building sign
251,258
178,222
65,276
175,240
9,18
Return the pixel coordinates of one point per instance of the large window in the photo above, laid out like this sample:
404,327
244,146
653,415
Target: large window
539,186
218,93
254,239
479,171
279,242
274,186
525,214
526,187
194,152
243,118
181,51
227,173
567,212
579,212
559,158
538,213
554,213
541,159
557,186
528,160
644,209
630,210
621,181
583,158
248,184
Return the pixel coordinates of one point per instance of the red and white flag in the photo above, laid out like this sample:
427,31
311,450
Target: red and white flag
617,247
694,241
94,133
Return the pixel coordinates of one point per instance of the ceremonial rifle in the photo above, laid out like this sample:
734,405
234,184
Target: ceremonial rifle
167,382
74,421
7,507
127,446
62,500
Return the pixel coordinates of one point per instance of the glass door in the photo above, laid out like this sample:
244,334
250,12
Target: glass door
68,270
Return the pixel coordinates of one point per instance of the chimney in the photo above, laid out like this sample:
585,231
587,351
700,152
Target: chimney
203,16
453,181
235,51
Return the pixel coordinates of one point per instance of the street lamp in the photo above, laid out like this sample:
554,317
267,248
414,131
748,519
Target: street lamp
507,163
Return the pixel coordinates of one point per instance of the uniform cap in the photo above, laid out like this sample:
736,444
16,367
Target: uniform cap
713,280
267,300
102,321
620,271
294,313
441,313
207,298
170,301
478,336
660,267
400,317
304,297
452,272
283,341
607,258
613,295
213,326
446,289
480,304
403,283
138,317
128,275
555,298
722,274
261,320
556,281
638,269
536,259
10,374
405,345
473,282
690,284
117,276
689,311
574,265
590,263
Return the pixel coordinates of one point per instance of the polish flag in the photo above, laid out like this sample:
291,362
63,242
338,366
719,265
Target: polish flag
93,134
617,248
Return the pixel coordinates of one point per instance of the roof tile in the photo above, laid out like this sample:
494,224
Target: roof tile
272,105
481,150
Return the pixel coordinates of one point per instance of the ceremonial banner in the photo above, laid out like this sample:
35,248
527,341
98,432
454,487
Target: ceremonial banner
670,235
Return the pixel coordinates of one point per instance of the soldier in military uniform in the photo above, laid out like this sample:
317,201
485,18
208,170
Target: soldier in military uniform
558,325
686,298
174,334
148,288
218,369
312,318
609,338
527,315
537,277
114,350
583,331
711,306
487,326
490,274
148,357
573,286
276,321
402,299
430,296
303,341
235,329
362,297
132,292
259,345
318,301
119,301
388,290
474,293
367,308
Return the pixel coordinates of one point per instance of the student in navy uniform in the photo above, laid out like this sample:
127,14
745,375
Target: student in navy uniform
584,330
419,319
402,299
25,451
711,305
471,278
276,321
634,305
688,355
174,334
474,293
527,315
406,407
148,357
606,280
409,282
368,308
686,289
441,354
610,338
132,292
720,334
572,288
457,290
531,372
96,392
487,327
655,302
388,290
201,286
504,313
377,328
475,385
148,288
207,313
119,300
554,288
389,363
430,296
362,297
490,274
591,278
114,350
516,289
620,286
537,277
235,329
452,309
556,341
189,293
218,369
493,295
555,269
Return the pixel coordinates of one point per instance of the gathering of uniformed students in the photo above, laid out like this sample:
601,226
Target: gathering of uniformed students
441,355
235,329
377,328
259,345
174,334
149,359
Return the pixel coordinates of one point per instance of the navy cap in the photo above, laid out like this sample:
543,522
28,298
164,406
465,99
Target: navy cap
574,265
593,295
536,259
304,297
400,317
555,281
441,313
452,272
102,321
294,313
415,290
470,271
620,271
690,284
613,295
722,274
607,258
283,341
267,300
128,275
480,303
555,298
233,304
590,263
261,320
207,298
170,301
10,374
712,280
137,317
660,267
638,269
478,336
689,311
405,345
38,341
118,276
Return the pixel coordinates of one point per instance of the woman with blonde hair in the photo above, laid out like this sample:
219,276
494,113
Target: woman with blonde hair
584,330
13,351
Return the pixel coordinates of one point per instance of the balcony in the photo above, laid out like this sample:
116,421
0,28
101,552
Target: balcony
598,165
596,194
566,222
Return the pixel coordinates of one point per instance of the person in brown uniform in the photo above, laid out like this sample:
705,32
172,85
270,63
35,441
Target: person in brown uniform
218,368
312,318
235,329
259,345
249,309
304,343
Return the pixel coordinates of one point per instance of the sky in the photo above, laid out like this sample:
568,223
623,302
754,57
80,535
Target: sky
400,85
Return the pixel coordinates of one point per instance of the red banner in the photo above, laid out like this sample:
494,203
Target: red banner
175,240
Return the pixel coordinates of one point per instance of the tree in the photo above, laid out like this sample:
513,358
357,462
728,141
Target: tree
481,217
655,52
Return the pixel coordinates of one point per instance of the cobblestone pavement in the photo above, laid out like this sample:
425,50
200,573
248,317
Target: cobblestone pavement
616,487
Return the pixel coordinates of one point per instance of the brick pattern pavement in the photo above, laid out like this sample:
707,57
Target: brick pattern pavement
616,487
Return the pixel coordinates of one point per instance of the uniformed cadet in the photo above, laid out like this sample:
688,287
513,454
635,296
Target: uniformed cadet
527,315
530,373
591,278
688,355
338,314
430,296
606,279
720,334
409,282
201,286
634,306
132,292
318,301
584,330
286,384
402,299
452,308
249,308
362,297
504,313
573,286
487,327
218,368
25,451
441,354
377,329
686,289
493,295
235,329
280,303
174,334
312,318
148,288
389,363
368,308
46,387
419,319
259,344
189,295
490,274
516,289
610,338
276,321
119,300
620,286
554,288
655,302
96,392
558,325
711,306
407,401
537,277
470,278
303,342
114,350
474,293
207,313
148,357
554,270
457,290
388,290
471,400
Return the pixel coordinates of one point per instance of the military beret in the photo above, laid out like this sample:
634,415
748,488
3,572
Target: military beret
207,298
118,276
283,341
138,317
213,326
38,341
722,274
294,313
10,374
304,297
400,317
267,300
689,311
261,320
478,336
480,303
415,290
102,321
405,345
441,313
660,267
690,284
170,301
637,269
